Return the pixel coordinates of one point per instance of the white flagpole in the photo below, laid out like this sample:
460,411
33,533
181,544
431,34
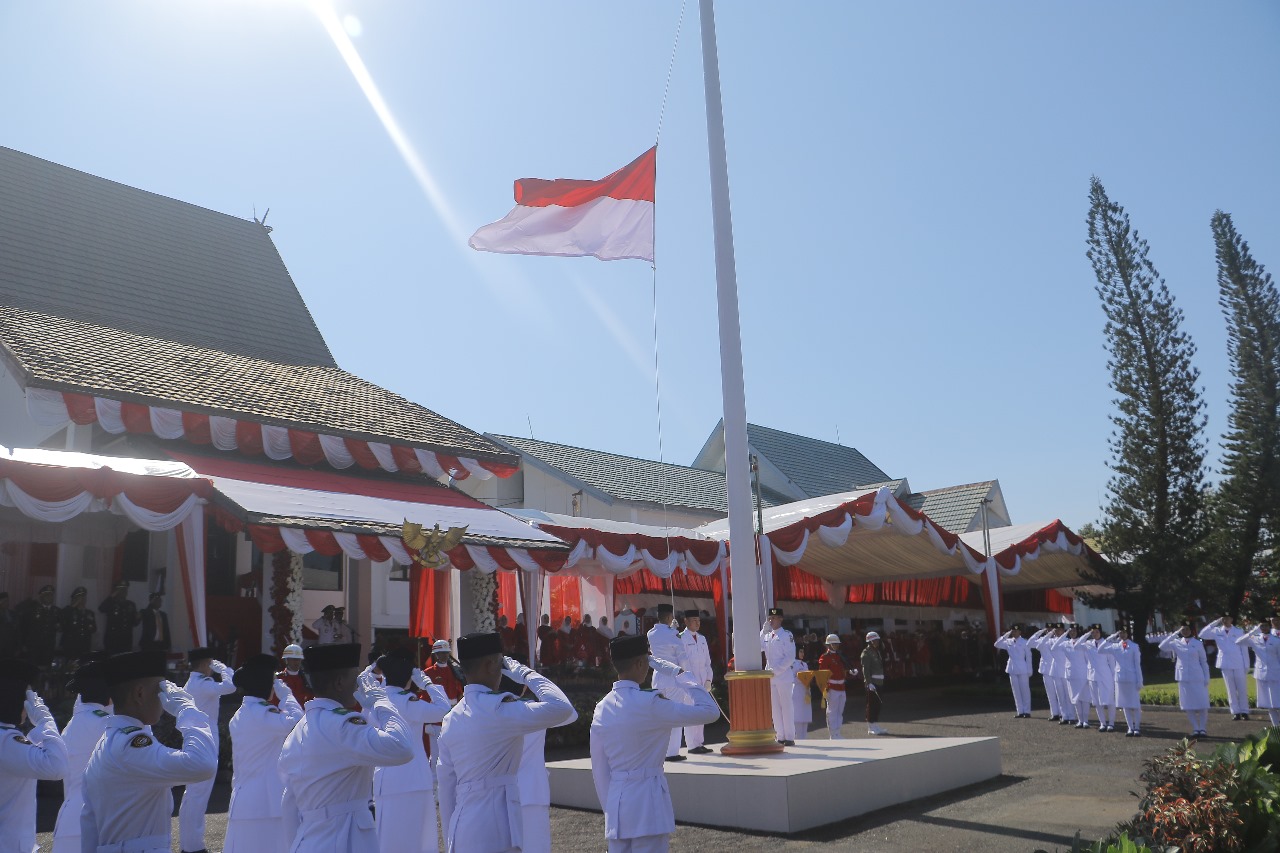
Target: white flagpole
744,583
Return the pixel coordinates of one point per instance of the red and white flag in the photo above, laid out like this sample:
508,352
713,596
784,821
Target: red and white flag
610,219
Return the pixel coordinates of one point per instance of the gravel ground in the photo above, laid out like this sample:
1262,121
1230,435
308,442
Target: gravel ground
1056,781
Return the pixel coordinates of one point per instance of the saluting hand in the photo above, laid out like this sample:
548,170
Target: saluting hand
664,667
515,670
174,699
281,690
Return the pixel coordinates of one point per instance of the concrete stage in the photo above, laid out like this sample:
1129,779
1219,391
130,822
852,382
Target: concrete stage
811,784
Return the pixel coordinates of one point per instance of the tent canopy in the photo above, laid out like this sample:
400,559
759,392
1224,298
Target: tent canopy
602,546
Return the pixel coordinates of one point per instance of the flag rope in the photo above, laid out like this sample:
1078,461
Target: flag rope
671,67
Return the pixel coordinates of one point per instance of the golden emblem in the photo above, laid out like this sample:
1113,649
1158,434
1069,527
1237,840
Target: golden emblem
430,547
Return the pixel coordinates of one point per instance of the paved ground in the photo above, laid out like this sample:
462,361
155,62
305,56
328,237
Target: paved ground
1057,780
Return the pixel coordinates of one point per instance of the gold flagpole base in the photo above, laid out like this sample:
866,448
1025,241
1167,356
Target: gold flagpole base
750,715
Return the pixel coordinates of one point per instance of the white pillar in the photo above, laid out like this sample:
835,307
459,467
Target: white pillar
746,572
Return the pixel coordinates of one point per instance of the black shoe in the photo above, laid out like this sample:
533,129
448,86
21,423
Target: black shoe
700,750
1055,718
676,758
1244,717
788,743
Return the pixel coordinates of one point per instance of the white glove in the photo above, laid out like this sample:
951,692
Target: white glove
664,667
368,691
37,711
706,685
421,679
281,690
174,699
871,686
220,668
516,671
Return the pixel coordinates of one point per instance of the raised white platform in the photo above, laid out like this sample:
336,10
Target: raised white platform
811,784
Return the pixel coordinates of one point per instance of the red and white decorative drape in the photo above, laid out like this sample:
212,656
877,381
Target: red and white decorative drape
57,408
621,553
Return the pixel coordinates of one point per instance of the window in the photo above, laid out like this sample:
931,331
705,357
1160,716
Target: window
322,573
136,556
219,559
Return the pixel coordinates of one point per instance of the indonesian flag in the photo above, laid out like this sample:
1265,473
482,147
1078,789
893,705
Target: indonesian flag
610,219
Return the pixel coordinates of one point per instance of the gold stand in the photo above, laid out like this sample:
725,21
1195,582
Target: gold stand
751,722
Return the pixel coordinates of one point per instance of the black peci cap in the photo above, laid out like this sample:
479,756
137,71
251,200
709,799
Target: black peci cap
46,588
90,682
693,614
396,669
476,646
665,608
196,655
131,666
775,611
628,647
256,676
331,656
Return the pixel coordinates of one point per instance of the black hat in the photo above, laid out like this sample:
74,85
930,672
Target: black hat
155,595
46,588
1016,626
396,669
327,608
1186,623
131,666
665,608
196,655
775,611
331,656
693,614
256,676
79,591
1096,626
18,674
90,682
628,647
121,585
475,646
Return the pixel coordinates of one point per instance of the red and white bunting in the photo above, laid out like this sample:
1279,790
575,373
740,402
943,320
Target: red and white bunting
57,408
623,553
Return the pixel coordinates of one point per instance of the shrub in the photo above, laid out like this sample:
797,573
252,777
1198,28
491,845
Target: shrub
1189,803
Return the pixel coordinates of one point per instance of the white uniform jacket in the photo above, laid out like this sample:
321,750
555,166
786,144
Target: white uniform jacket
1128,660
1019,654
481,743
1231,653
1101,666
1191,663
665,643
629,734
325,629
327,763
416,775
83,731
258,730
128,797
23,760
779,653
1266,655
696,657
208,692
1050,663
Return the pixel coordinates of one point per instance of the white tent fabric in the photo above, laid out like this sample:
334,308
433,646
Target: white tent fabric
1039,555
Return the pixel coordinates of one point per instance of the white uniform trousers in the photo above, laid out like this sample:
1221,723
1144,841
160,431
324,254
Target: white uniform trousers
195,800
1064,698
537,829
673,743
784,709
1237,690
406,822
693,736
256,835
835,713
643,844
1021,685
1052,692
1268,694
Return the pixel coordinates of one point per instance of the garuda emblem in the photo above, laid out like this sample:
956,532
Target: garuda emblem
430,547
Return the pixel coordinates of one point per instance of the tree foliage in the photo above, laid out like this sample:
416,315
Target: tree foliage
1153,526
1246,507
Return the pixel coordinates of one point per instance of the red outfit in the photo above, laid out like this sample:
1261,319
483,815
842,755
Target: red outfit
835,664
443,675
297,684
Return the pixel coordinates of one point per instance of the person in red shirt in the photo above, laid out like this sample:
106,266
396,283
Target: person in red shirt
507,633
834,662
442,671
292,675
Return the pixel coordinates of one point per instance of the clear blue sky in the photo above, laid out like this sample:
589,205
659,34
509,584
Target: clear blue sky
909,195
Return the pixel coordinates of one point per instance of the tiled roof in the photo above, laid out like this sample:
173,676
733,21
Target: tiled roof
954,507
68,355
818,467
632,479
78,246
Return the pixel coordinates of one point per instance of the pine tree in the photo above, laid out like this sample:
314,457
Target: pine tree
1153,524
1247,506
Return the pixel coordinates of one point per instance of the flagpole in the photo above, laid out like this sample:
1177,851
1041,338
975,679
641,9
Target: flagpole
752,730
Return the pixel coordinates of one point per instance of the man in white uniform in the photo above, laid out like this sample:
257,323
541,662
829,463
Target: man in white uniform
1266,670
128,783
664,641
780,657
255,823
1232,662
1018,669
207,691
628,741
482,742
23,760
696,660
1191,671
535,788
404,795
88,722
325,627
327,760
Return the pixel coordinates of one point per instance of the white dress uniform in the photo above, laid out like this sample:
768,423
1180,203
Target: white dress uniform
481,744
696,660
1102,680
403,794
128,785
801,702
1232,662
535,791
780,655
207,693
1266,670
1047,669
327,763
1075,676
255,822
1128,674
325,630
1019,670
1191,671
83,731
665,643
628,732
23,760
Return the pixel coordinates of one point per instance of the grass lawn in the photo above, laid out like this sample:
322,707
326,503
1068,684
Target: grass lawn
1163,690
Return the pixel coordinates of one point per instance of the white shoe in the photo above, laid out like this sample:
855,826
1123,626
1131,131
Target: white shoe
873,731
876,730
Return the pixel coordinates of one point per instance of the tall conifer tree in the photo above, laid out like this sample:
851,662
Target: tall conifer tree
1152,526
1247,506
